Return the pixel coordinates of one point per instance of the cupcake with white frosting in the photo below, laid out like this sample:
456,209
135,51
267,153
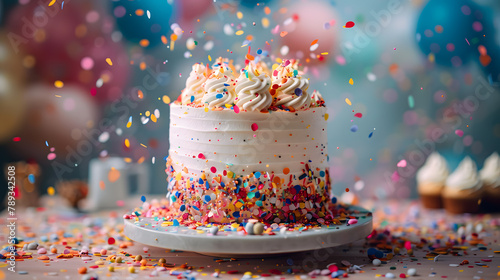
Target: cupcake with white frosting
431,180
463,190
490,176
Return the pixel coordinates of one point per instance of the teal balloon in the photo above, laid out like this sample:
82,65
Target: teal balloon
444,28
137,27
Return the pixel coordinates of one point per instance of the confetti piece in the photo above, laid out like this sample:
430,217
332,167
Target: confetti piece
127,143
349,24
129,123
108,61
354,128
459,132
153,118
326,116
143,198
144,43
236,109
93,91
401,163
202,156
113,175
239,32
358,115
411,101
213,169
209,58
102,185
166,99
51,191
148,14
31,178
314,42
111,241
395,176
283,33
351,82
16,139
370,135
52,3
51,156
348,101
324,53
58,84
255,127
286,170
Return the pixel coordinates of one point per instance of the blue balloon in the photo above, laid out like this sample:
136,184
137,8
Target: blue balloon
448,29
137,26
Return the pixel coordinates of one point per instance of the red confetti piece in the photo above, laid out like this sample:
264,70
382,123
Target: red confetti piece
358,115
255,127
236,109
93,91
111,241
202,156
349,24
283,33
459,132
213,169
16,139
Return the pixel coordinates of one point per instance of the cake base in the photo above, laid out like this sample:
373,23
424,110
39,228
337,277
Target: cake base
236,244
431,201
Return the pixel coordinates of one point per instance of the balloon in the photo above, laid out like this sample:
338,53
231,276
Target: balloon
12,77
62,117
308,24
448,29
143,19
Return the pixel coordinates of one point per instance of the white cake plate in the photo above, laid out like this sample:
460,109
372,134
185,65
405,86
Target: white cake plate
229,243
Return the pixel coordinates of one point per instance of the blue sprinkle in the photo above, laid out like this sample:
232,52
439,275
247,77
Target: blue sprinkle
200,181
334,200
62,5
196,208
207,198
46,143
322,173
257,175
31,178
236,214
176,223
192,98
370,135
226,85
173,198
207,185
302,176
298,92
182,208
259,51
354,128
219,95
143,198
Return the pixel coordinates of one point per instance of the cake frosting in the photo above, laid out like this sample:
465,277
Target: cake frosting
464,179
194,90
435,170
490,173
291,89
252,90
236,156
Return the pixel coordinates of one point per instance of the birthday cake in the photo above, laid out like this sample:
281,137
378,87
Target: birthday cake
248,145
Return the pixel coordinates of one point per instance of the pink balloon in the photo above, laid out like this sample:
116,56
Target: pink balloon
62,117
311,20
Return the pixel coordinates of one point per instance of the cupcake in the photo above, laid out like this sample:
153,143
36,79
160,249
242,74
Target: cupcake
431,179
463,190
490,176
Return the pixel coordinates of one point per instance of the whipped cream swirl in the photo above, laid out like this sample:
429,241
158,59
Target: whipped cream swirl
465,177
219,88
490,174
292,89
252,89
194,90
435,170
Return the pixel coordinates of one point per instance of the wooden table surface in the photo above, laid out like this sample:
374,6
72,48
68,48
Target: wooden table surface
395,222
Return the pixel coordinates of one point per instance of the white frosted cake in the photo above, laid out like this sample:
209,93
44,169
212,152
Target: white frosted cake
248,146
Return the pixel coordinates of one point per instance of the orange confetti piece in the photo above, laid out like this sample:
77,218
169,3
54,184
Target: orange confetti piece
139,12
239,32
141,160
127,143
286,170
102,185
153,118
250,57
58,84
314,42
173,37
348,101
52,3
108,60
142,66
166,99
283,33
164,39
144,145
144,43
267,10
113,175
140,94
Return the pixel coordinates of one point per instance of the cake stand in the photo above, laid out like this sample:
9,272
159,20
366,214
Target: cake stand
229,243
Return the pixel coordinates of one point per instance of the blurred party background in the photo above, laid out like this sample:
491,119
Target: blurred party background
81,80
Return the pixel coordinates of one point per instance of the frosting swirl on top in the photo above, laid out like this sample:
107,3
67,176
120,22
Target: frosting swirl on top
252,89
317,99
435,170
291,89
219,88
490,174
465,177
194,91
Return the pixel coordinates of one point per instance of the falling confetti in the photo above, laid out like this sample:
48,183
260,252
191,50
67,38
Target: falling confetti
349,24
351,82
354,128
113,175
58,84
348,101
166,99
358,115
127,143
411,101
283,33
239,32
401,163
102,185
459,132
108,61
143,198
255,127
31,178
51,191
52,3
